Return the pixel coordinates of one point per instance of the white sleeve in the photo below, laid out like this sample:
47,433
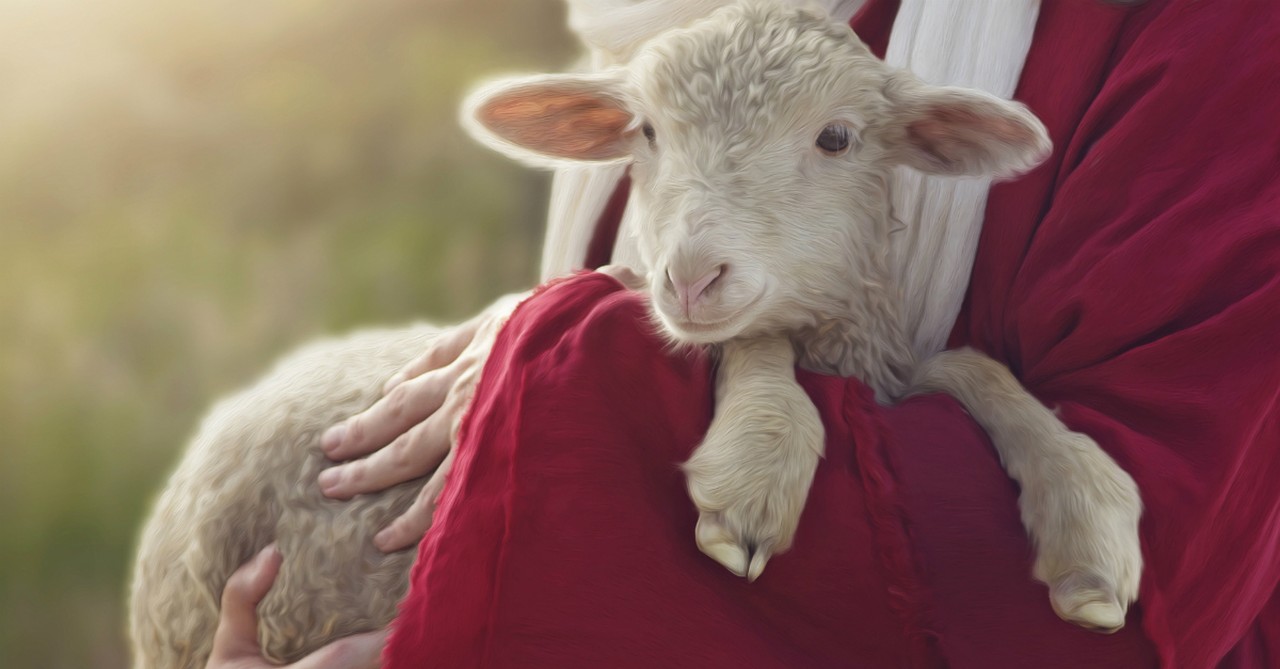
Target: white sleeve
578,198
976,44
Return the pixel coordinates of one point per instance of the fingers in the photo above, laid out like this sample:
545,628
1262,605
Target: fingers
235,644
408,529
408,404
412,454
237,634
415,452
362,651
443,351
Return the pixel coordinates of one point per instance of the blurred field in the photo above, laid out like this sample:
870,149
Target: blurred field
187,190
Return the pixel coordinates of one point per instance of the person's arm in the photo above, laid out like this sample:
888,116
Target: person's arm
235,644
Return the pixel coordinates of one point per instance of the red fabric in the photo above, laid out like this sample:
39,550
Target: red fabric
600,250
565,538
1131,281
1145,301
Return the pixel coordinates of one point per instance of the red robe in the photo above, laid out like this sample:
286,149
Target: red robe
1132,282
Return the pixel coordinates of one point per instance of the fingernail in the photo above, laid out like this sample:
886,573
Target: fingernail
332,438
381,539
262,559
328,479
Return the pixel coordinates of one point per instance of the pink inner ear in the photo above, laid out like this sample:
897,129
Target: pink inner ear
957,136
568,124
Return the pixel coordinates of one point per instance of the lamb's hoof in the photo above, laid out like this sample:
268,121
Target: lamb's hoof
759,559
749,479
717,542
720,544
1085,525
1087,601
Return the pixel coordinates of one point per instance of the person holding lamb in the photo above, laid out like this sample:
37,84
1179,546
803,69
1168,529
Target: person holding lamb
1130,283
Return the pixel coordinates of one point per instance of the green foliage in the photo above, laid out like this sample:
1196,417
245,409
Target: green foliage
188,191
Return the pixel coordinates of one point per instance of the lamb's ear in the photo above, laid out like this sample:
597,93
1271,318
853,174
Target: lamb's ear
551,119
961,131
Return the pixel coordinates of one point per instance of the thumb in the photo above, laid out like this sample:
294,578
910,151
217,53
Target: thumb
237,634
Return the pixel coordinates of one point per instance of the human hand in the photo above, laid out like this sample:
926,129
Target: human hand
413,428
235,644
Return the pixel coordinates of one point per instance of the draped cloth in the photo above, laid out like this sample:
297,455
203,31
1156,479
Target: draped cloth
1132,282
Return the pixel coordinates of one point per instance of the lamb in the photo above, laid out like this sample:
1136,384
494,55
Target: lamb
762,141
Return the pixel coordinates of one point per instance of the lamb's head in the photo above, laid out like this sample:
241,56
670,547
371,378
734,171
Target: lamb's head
760,138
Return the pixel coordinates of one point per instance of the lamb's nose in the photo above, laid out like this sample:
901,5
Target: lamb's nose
688,291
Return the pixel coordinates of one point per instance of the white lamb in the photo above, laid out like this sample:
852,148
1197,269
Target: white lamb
761,140
761,143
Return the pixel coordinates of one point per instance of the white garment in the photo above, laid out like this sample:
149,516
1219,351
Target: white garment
977,43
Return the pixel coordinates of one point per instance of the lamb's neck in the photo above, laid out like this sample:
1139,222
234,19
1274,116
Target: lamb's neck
863,339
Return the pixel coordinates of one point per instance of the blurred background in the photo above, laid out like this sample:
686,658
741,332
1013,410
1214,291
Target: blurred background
187,191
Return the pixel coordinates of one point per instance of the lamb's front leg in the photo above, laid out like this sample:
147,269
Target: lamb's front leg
1080,508
751,475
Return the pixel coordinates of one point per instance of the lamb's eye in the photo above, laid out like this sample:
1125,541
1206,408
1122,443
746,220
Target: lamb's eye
834,139
649,134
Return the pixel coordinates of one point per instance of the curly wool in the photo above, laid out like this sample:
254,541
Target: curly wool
247,479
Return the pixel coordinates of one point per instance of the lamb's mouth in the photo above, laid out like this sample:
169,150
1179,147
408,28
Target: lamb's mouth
713,332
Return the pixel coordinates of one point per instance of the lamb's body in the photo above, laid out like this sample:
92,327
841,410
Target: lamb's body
249,478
